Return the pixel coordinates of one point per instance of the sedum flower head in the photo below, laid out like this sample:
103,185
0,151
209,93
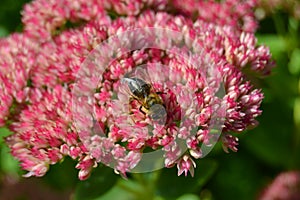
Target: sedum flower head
59,99
285,186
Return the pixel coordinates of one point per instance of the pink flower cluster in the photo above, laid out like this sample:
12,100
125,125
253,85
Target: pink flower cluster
285,186
40,68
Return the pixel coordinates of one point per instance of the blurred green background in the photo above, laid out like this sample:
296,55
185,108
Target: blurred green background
264,152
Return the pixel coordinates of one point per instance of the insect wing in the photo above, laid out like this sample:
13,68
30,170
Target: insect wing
138,87
158,114
124,88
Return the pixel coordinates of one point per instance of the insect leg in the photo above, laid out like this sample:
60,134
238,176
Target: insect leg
141,110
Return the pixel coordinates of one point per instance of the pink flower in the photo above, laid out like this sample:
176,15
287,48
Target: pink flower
285,186
186,164
64,94
234,13
44,132
17,56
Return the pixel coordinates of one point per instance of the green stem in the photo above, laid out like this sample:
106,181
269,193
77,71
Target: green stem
129,189
291,39
297,128
148,183
279,24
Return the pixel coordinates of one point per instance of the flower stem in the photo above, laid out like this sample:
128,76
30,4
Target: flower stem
148,183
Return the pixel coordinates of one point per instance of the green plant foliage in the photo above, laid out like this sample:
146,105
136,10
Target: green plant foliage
8,165
102,179
272,141
264,152
116,193
59,179
3,31
10,15
188,197
171,186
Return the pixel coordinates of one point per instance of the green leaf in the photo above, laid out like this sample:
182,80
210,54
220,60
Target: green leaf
10,13
8,164
116,193
3,32
272,140
276,43
297,112
281,86
57,177
188,197
101,181
239,176
4,132
297,132
294,64
171,186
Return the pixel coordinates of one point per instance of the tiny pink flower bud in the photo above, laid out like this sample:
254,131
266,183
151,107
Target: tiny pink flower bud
185,165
